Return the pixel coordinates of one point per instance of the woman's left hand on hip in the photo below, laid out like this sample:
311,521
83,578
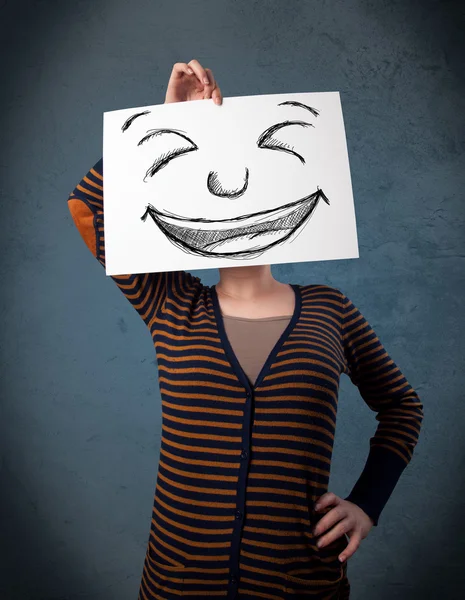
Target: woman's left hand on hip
344,518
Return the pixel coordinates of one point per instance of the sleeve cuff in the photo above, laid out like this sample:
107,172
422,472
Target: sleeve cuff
377,481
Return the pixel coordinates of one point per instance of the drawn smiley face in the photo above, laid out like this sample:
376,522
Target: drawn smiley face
244,235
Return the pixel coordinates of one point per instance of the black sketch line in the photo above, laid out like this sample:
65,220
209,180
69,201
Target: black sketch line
207,242
261,213
266,138
151,133
314,111
129,121
164,159
215,187
299,231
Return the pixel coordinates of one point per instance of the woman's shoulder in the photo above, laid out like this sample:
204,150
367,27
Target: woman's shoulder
322,297
321,289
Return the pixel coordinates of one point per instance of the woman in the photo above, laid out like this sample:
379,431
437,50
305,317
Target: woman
249,373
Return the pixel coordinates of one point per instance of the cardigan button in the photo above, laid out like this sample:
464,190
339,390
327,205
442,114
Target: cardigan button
244,454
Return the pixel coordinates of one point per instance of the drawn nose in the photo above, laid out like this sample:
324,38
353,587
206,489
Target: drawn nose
216,188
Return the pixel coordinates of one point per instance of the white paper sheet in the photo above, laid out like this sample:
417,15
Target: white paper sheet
257,180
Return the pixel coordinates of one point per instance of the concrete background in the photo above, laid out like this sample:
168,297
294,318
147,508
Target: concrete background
80,422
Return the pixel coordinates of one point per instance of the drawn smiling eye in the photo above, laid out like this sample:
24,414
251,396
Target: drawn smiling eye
269,142
166,157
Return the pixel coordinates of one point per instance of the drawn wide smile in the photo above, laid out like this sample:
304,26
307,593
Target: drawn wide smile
246,236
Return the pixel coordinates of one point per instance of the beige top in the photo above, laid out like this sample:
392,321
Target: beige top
252,340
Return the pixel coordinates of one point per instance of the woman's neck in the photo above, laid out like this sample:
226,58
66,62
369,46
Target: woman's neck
247,283
252,292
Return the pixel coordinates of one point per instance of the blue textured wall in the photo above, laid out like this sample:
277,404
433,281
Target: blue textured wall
80,424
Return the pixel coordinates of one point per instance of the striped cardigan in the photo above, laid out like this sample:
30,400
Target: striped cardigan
241,466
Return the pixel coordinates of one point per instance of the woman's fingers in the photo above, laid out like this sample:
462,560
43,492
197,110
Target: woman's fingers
208,89
217,96
352,547
216,92
327,500
336,532
335,515
211,78
202,83
180,69
199,71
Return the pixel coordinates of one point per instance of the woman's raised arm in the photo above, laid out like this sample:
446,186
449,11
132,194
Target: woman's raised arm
146,292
